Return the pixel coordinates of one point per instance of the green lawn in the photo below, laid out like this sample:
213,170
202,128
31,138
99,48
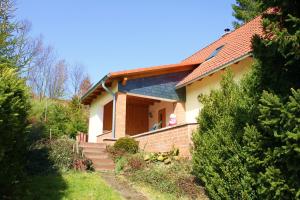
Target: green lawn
69,185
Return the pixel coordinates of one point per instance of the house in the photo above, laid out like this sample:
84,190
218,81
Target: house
138,102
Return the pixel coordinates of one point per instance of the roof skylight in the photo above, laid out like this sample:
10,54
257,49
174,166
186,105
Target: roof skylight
214,53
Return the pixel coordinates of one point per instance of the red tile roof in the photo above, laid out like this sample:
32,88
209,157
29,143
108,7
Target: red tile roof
237,44
160,69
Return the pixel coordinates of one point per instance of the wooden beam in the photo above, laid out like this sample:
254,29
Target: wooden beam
151,97
140,100
124,81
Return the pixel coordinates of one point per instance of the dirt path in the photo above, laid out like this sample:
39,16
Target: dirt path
122,186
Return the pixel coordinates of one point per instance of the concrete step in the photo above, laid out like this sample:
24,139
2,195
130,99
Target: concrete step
100,150
92,145
98,156
89,154
105,161
106,168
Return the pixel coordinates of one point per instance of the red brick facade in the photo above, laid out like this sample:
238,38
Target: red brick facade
165,139
179,111
120,115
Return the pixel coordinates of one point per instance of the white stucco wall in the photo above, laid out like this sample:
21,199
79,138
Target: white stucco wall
96,113
192,105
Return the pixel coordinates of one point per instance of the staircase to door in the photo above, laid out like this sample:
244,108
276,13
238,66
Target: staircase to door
98,154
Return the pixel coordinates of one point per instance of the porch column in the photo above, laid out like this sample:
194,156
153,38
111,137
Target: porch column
120,115
179,111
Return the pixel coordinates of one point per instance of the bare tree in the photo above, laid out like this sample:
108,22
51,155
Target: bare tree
58,80
76,78
85,85
40,68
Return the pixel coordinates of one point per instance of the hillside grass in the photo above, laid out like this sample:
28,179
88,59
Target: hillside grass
69,185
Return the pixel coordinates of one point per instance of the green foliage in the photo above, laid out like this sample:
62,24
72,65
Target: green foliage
62,117
56,155
14,106
217,156
278,56
57,119
127,144
61,153
247,145
245,10
246,149
120,164
15,46
174,178
272,147
78,117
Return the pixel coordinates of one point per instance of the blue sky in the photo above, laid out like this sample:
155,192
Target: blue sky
116,35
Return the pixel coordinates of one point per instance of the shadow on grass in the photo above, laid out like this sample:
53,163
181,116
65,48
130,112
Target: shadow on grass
43,180
50,186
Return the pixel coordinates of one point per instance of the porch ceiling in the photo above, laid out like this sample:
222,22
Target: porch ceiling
140,100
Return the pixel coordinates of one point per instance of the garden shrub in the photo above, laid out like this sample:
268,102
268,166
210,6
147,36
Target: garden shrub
61,153
127,144
83,164
37,158
272,147
14,106
156,177
120,164
174,178
62,117
246,147
218,159
58,117
136,162
47,156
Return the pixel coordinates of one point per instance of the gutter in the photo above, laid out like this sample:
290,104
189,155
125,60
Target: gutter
215,70
114,104
102,83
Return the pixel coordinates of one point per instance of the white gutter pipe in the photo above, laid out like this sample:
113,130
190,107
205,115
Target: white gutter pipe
114,105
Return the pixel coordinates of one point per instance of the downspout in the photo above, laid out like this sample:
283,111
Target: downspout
114,104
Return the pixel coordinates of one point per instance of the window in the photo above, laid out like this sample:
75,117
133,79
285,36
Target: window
214,53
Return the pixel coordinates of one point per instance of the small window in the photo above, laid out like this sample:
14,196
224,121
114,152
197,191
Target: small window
214,53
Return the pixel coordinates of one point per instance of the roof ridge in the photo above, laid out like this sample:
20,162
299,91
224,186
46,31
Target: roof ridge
222,37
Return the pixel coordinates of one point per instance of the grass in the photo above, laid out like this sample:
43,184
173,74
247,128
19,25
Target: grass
153,194
70,185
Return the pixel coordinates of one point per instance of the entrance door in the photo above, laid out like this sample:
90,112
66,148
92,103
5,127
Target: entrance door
162,117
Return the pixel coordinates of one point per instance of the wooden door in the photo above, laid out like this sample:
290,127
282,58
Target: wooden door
136,119
162,117
107,117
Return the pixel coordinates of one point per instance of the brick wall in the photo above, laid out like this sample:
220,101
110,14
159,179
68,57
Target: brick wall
165,139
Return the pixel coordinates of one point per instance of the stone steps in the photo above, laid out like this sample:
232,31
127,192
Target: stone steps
99,156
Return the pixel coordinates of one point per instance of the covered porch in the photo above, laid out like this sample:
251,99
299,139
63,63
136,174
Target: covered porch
136,114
